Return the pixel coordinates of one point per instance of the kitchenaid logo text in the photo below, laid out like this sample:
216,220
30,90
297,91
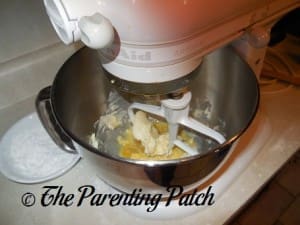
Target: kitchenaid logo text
133,55
87,195
127,54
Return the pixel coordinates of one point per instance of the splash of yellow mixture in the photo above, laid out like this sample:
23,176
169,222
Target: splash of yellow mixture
133,147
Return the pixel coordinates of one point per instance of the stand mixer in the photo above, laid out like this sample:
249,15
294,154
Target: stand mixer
153,47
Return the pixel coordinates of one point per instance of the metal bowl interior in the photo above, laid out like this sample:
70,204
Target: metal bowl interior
79,96
224,83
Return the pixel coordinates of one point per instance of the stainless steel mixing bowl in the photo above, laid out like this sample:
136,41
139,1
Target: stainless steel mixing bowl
70,107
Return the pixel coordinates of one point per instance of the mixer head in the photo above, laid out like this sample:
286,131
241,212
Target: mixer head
155,45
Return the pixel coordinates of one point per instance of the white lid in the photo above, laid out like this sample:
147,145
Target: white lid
28,154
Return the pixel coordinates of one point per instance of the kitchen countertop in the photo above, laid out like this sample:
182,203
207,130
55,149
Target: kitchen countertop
282,110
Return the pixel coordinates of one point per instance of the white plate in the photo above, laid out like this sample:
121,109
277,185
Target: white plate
28,154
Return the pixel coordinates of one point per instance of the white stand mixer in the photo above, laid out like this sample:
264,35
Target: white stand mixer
153,47
151,42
